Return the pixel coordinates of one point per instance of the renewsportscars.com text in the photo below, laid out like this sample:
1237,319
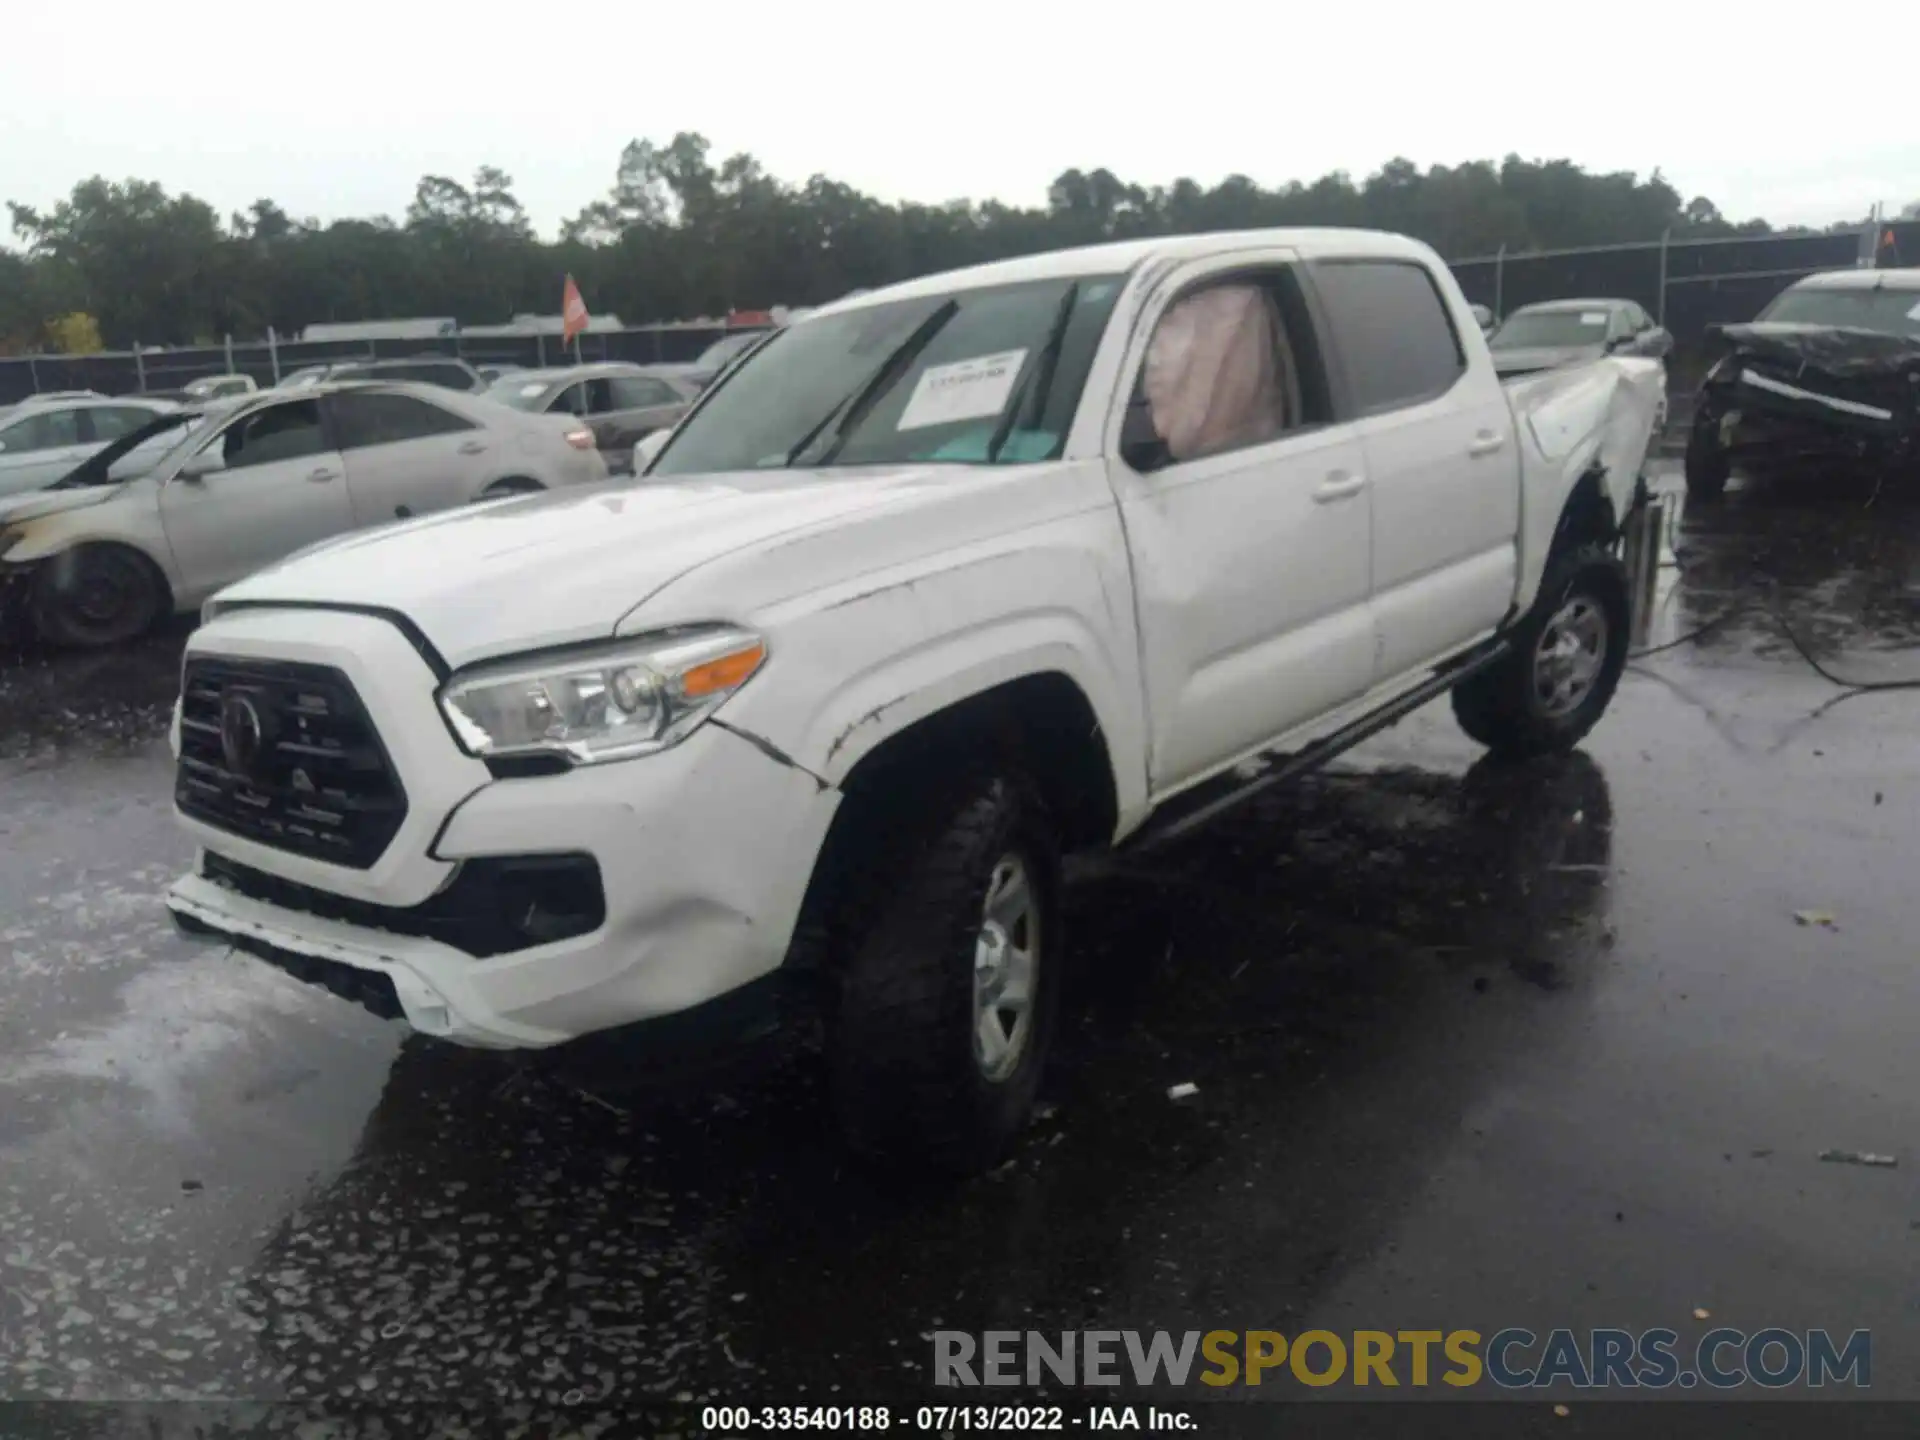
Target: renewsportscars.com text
1510,1359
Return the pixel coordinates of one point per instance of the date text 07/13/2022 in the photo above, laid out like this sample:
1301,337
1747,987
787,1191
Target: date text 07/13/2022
942,1419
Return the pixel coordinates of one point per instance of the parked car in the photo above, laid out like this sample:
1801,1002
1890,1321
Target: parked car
1566,332
621,403
44,437
1058,553
1829,371
442,370
215,387
492,373
703,371
218,491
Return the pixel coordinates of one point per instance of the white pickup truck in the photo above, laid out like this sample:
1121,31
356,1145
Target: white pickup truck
945,580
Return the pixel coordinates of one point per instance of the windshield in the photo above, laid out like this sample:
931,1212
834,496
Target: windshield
725,349
522,392
300,379
1550,329
958,362
1891,312
142,450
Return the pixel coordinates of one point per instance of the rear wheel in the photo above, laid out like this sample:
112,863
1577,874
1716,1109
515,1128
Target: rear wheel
948,1000
98,595
1567,655
1707,465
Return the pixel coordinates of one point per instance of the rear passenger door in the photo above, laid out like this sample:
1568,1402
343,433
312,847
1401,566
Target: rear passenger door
1246,513
1441,457
406,455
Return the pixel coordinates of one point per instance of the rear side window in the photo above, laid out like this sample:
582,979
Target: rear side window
1396,342
42,430
111,422
389,419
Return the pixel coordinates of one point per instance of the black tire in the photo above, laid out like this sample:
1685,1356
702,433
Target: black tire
514,485
1503,707
909,1082
98,595
1707,466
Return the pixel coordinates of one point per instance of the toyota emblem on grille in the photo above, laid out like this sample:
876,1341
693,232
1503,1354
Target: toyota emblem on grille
242,737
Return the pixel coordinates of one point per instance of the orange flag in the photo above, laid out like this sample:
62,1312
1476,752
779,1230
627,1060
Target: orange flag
573,312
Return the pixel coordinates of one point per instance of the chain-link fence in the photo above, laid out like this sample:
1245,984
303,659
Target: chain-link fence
1687,284
145,371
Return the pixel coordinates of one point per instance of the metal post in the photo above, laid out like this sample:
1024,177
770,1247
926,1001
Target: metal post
33,370
1661,315
273,354
1499,281
139,367
1646,528
540,347
229,346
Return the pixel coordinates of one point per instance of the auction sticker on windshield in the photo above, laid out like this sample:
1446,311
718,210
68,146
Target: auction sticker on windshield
965,390
1593,317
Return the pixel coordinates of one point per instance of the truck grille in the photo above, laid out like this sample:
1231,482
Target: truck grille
284,754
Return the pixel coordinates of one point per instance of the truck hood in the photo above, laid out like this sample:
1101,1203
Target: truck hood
490,580
1835,349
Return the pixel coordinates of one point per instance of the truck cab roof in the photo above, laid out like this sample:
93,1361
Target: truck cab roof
1125,256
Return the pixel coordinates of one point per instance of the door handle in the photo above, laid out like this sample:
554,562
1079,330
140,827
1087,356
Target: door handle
474,447
323,473
1486,443
1338,486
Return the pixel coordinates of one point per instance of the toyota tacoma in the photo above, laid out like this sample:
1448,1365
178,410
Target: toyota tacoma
940,583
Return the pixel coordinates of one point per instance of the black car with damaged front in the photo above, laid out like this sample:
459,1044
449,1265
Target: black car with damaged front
1828,375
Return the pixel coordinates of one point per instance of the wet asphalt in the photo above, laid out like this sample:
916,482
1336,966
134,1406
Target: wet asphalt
1474,1048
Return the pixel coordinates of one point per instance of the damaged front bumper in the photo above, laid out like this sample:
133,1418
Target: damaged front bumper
1789,399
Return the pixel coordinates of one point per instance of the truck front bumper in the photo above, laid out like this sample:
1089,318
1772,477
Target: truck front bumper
703,853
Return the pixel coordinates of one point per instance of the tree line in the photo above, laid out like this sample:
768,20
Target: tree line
678,235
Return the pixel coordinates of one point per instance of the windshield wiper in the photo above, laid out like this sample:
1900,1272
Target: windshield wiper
1039,379
851,411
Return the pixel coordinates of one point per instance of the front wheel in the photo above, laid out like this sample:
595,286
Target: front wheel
947,1005
98,595
1565,662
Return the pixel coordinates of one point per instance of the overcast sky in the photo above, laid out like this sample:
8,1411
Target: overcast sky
337,108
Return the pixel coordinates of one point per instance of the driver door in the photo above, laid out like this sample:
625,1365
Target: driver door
264,486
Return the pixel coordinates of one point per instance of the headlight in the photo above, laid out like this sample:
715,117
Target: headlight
608,703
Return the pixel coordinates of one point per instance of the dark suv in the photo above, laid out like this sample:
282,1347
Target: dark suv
441,370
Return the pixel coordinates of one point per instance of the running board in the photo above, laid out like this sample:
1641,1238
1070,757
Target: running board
1190,810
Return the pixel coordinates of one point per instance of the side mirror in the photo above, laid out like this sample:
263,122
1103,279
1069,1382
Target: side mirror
199,466
647,447
1140,444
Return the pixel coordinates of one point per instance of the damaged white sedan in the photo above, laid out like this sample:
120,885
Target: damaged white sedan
942,581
